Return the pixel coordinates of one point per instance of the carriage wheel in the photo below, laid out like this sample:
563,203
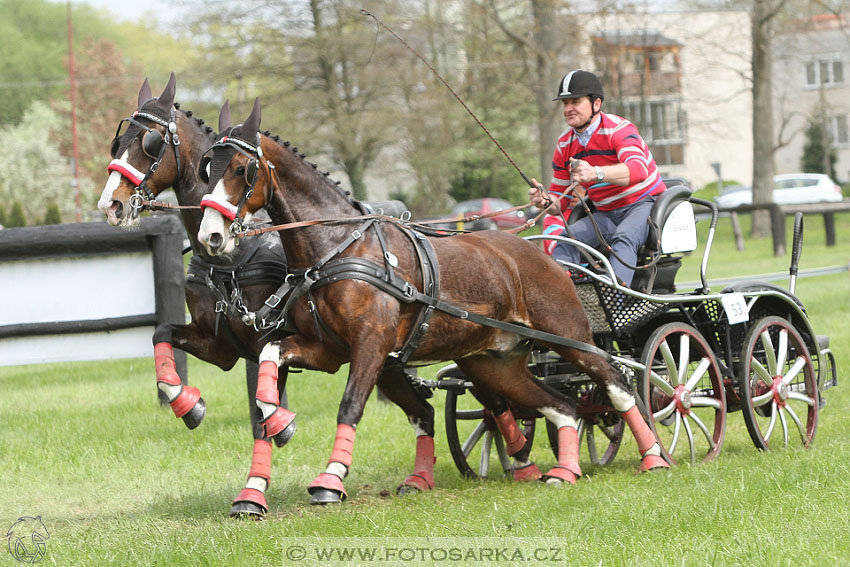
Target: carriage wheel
777,380
475,443
683,389
600,435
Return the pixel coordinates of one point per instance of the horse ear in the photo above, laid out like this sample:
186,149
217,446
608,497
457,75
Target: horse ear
166,99
252,123
145,93
224,117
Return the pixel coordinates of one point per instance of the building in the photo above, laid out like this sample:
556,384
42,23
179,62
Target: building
810,87
681,77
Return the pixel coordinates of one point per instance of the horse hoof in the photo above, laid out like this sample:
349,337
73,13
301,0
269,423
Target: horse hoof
322,496
556,482
247,510
284,436
195,416
652,463
405,489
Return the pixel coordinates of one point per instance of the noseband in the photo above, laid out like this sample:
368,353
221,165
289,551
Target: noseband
152,143
254,153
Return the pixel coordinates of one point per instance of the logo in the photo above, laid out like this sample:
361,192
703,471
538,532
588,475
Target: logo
28,539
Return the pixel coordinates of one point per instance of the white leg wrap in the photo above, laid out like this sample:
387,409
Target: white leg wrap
655,451
257,483
266,408
337,469
558,419
171,391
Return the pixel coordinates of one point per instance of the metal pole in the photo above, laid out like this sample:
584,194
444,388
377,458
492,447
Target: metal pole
75,183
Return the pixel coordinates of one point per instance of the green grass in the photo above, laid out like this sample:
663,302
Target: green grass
120,481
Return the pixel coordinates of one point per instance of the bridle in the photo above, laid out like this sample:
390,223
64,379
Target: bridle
254,153
154,145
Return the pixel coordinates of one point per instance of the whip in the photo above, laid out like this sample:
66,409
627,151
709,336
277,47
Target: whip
460,100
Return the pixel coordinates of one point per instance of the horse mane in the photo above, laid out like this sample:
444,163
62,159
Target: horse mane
205,128
325,175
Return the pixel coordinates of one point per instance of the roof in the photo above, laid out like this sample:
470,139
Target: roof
635,39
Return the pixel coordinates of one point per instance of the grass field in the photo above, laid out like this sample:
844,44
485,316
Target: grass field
118,480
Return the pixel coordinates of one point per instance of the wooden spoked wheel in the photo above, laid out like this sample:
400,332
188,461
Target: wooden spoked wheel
778,385
476,445
683,390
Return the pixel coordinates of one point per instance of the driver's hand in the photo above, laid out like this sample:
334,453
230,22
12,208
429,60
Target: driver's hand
537,195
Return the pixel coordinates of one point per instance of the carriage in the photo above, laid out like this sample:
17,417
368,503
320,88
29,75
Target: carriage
691,357
667,365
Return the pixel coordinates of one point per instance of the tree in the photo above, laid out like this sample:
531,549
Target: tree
763,15
16,217
32,170
815,152
34,42
52,216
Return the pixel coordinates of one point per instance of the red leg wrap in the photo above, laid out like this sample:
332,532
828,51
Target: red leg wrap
185,400
528,472
514,438
261,461
330,482
252,495
423,469
166,371
267,383
343,445
277,422
561,473
568,449
650,462
643,434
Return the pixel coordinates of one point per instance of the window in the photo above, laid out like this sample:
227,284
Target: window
661,123
824,70
837,128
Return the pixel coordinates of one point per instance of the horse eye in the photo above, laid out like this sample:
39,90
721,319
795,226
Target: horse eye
240,170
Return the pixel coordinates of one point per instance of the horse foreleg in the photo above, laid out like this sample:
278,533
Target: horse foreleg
367,359
276,421
251,502
185,401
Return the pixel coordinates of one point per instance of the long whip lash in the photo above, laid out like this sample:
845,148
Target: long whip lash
442,80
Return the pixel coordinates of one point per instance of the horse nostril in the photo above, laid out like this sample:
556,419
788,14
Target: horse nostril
216,240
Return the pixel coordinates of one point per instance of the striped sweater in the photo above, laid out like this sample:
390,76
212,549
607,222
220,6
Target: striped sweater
615,140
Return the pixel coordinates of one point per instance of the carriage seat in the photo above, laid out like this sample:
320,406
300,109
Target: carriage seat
672,215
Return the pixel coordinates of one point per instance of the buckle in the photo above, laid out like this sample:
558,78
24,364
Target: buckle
221,306
356,234
272,301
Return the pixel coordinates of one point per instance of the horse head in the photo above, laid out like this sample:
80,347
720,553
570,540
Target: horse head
148,156
239,180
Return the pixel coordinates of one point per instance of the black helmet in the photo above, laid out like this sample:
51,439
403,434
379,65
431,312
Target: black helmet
579,83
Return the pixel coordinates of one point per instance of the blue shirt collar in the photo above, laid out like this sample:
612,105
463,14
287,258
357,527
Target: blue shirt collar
583,137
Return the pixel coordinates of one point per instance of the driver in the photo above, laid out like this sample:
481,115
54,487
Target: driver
606,155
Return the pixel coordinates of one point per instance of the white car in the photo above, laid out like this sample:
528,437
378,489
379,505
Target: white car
788,189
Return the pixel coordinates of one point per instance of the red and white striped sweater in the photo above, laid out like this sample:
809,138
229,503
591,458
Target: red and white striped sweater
615,140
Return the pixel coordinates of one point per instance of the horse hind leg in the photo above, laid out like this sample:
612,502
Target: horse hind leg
513,380
625,403
516,445
397,387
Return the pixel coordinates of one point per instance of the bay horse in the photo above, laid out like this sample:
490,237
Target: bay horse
371,289
162,148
